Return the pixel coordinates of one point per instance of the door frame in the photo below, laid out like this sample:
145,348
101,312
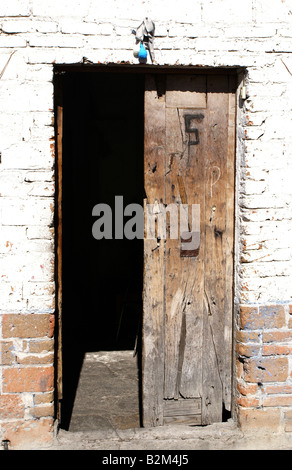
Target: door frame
59,71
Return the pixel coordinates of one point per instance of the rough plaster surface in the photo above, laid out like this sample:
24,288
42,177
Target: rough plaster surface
255,35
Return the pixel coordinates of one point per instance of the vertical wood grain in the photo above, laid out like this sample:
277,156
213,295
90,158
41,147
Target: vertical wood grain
59,172
188,300
153,290
184,276
217,276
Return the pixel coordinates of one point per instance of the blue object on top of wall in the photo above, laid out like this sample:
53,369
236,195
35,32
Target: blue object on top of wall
142,52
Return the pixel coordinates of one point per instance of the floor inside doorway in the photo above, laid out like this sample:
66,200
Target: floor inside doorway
107,395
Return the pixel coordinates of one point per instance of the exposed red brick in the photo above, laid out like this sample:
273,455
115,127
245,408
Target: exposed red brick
246,388
11,407
28,379
274,316
261,419
25,326
43,398
29,359
51,326
277,401
28,433
269,369
38,346
288,421
239,369
6,353
249,318
248,336
288,414
276,349
258,318
247,350
277,336
42,411
277,388
248,402
288,426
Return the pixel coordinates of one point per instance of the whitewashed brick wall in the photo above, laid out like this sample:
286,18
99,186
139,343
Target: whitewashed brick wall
255,34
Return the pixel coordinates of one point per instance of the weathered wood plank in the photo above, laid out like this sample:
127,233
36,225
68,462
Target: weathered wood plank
193,267
182,407
174,283
59,290
194,420
184,276
183,411
186,91
189,159
217,346
153,290
230,221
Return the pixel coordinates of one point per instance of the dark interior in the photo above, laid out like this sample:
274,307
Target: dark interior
102,159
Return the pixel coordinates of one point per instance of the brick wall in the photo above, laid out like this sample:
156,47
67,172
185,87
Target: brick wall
263,378
27,382
256,36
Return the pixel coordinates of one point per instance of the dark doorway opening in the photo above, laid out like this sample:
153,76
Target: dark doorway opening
102,279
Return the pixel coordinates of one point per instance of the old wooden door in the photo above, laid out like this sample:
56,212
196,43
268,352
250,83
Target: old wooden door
188,297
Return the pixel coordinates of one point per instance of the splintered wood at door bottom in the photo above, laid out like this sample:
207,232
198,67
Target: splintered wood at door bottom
183,411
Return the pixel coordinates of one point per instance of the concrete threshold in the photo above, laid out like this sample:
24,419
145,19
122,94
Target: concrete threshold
221,436
106,416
